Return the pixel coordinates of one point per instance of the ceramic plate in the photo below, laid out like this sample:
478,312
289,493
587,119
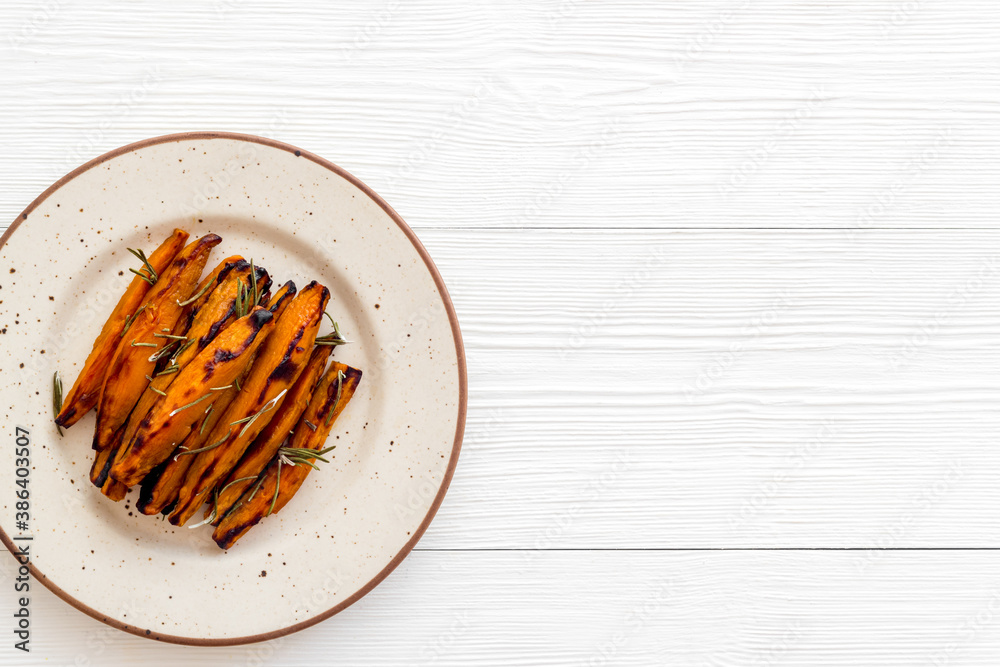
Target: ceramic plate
63,265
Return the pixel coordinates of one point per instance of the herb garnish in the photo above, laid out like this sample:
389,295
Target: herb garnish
196,296
57,398
335,338
131,318
151,277
340,388
185,407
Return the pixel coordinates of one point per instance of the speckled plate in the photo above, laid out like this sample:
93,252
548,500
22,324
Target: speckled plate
63,265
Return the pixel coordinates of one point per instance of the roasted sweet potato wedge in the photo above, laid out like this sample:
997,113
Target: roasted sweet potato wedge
114,489
173,415
101,466
218,311
138,349
275,370
162,485
203,292
277,303
279,482
287,418
87,389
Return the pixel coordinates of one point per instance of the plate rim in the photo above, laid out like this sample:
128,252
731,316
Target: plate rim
462,381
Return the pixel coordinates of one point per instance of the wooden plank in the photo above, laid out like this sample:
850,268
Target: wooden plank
564,114
622,608
721,389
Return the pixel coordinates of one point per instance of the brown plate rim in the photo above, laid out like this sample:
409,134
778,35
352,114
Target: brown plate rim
462,400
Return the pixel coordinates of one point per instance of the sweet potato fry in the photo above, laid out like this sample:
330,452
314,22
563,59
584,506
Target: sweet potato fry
101,465
275,370
137,351
203,292
87,389
114,489
286,419
161,486
277,303
173,415
218,311
279,481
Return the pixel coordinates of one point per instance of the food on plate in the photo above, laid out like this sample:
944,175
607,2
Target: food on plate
276,368
209,389
286,472
87,389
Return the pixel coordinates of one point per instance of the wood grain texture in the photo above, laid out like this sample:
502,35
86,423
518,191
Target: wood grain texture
558,114
726,273
721,389
726,609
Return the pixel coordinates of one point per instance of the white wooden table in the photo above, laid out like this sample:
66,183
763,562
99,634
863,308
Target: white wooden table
728,275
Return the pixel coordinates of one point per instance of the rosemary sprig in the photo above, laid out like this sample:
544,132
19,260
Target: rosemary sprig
173,358
168,370
256,487
131,319
135,344
152,388
242,300
196,296
252,418
253,491
335,338
162,352
253,284
277,488
202,449
211,517
236,481
151,278
295,455
185,407
57,398
201,431
336,402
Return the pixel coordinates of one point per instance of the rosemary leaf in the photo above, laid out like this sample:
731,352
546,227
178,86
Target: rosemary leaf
310,424
253,285
202,449
173,357
135,344
185,407
211,517
196,296
277,487
131,318
149,267
162,352
336,402
260,481
160,335
236,481
57,398
143,276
